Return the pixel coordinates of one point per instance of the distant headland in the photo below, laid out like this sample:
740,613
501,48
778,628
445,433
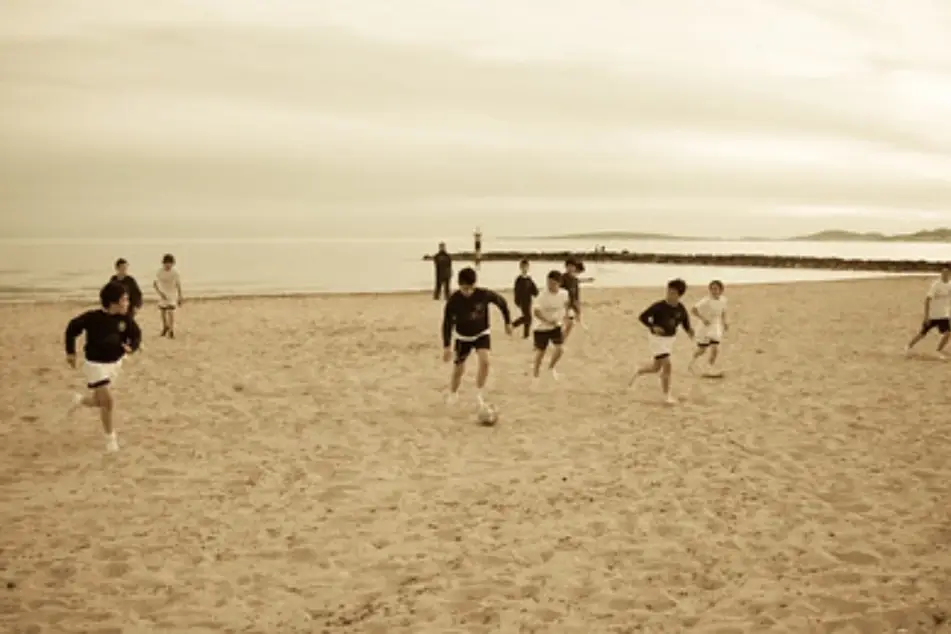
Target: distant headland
831,235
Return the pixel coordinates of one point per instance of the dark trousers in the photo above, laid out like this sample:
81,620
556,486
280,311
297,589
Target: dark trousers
526,319
442,285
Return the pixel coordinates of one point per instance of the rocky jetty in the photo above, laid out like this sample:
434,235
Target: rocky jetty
705,259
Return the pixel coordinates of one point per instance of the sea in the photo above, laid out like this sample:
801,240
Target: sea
74,269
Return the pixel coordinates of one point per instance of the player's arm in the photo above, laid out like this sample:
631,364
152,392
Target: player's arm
75,328
503,306
133,335
647,317
135,294
178,287
541,317
534,288
448,322
687,326
932,293
158,289
695,311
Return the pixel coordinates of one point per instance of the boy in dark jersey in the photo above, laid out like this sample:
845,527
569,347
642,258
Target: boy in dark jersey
571,283
110,335
525,291
131,286
467,314
662,320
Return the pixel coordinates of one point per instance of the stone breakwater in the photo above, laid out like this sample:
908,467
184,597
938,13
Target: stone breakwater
705,259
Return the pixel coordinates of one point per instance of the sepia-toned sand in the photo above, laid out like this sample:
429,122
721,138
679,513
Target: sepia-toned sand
288,465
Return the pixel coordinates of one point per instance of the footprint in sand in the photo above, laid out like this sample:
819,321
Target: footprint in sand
858,557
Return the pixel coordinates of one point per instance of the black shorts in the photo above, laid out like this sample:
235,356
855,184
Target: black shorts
707,343
545,337
943,326
464,348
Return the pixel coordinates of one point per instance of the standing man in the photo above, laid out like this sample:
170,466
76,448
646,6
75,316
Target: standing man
442,264
937,313
130,285
525,292
477,238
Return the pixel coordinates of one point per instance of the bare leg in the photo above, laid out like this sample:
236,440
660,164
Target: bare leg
651,368
539,355
103,399
944,341
916,340
457,371
699,352
714,353
556,353
665,372
171,323
482,375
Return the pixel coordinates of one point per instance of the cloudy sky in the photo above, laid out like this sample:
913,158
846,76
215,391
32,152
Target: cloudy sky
426,117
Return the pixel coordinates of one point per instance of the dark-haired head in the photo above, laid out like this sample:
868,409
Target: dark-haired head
114,298
121,262
467,280
523,263
554,280
676,289
716,286
168,259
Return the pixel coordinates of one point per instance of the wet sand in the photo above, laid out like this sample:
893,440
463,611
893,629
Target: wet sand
288,465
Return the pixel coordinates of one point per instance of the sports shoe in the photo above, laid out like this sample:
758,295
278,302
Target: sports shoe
670,400
112,443
555,375
452,398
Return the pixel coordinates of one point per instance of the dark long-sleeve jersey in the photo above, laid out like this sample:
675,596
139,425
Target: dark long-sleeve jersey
132,288
105,335
570,283
666,316
442,262
524,290
469,316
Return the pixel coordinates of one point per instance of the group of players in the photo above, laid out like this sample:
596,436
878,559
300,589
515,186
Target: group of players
549,314
111,332
556,309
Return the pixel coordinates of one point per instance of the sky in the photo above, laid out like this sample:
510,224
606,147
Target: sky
430,117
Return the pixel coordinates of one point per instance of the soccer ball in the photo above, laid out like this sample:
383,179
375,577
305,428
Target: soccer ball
487,416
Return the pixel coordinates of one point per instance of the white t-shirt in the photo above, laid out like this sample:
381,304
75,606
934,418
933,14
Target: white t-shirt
712,310
552,307
940,294
168,282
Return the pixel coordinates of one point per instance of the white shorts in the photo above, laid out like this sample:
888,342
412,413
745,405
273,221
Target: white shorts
660,347
707,335
170,304
100,374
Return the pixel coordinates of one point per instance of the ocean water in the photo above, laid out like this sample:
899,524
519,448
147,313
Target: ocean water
75,269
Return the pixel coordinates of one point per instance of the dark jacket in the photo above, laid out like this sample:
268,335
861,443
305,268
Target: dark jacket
132,288
525,290
443,263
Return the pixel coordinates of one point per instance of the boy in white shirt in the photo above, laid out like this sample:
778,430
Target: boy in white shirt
711,311
551,311
937,313
168,285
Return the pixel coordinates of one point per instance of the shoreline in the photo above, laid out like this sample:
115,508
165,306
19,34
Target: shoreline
738,260
309,295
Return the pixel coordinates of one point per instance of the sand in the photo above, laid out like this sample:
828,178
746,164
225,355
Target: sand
288,465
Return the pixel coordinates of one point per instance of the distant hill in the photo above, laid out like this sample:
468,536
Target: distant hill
932,235
832,235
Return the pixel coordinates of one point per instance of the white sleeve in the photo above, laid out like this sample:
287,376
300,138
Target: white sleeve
933,291
703,302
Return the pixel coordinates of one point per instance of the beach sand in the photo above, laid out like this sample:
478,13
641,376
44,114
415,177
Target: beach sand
288,465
